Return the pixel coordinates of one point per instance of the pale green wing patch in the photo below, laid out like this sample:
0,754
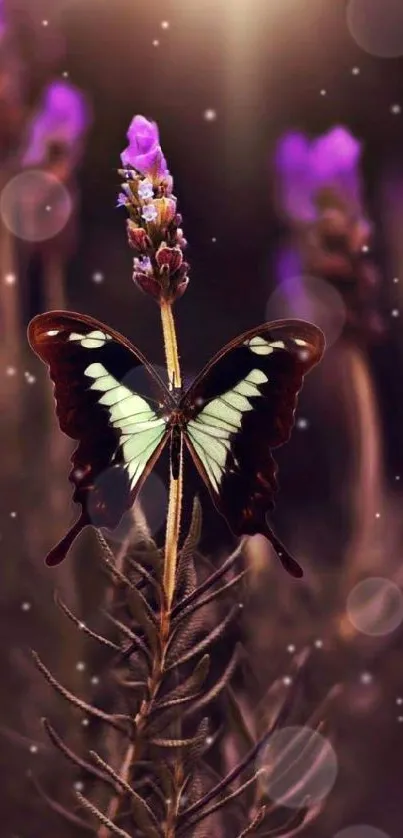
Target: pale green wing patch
141,428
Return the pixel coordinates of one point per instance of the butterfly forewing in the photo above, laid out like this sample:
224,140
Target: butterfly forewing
109,399
240,407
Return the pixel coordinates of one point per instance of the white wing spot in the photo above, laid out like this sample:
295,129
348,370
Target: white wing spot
260,346
301,342
53,332
92,340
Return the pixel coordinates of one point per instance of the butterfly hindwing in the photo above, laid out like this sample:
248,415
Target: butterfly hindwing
103,388
240,407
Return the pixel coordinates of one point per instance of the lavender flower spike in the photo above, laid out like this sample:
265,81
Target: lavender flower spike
61,120
306,166
144,152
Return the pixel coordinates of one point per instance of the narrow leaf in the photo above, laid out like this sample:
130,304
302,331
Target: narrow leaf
101,817
144,816
207,641
115,720
83,627
74,758
211,580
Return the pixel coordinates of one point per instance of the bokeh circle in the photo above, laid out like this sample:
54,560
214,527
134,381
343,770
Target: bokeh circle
309,298
377,26
35,206
111,486
361,831
375,606
299,767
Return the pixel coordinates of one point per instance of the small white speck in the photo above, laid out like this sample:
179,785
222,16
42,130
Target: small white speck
318,644
399,701
10,279
11,370
397,477
365,248
291,648
287,681
400,719
213,239
209,740
26,606
165,24
395,279
396,109
302,423
81,626
65,74
98,276
78,785
210,114
366,678
80,666
48,208
33,749
85,722
377,514
13,514
45,23
95,680
355,71
29,378
156,42
395,312
323,92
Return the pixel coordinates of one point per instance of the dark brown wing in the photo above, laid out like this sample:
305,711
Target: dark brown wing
109,398
240,407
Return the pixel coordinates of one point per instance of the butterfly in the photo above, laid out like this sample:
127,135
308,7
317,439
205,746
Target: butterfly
112,401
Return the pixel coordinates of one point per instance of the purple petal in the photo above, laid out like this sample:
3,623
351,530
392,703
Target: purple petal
62,119
144,151
305,167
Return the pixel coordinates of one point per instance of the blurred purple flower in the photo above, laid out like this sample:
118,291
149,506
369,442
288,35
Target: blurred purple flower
144,152
2,19
305,167
60,121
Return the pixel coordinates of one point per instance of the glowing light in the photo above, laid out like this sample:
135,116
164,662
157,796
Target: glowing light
210,115
24,203
298,764
377,26
375,606
396,109
361,831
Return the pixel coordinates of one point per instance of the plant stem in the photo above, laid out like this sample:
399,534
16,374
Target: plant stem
172,534
171,346
175,486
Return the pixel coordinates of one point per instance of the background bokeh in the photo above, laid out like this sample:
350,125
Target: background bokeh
282,123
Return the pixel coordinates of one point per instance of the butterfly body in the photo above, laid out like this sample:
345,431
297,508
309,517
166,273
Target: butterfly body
112,401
